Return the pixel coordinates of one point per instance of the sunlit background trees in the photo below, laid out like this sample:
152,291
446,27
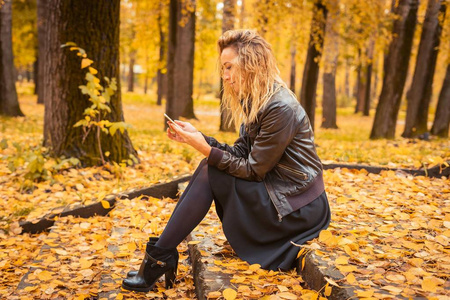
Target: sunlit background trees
382,57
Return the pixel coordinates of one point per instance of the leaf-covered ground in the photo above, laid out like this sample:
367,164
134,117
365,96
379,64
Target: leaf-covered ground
388,230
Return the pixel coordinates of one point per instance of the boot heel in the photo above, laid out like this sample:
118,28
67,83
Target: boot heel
170,278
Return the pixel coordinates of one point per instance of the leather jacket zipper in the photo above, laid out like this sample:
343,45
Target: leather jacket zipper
280,218
292,170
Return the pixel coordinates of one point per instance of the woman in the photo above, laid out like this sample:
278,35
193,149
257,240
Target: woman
267,187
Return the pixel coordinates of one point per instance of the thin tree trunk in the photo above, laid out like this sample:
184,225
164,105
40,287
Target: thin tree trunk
229,12
419,95
292,77
41,54
94,26
360,84
375,78
331,53
347,80
311,70
131,71
161,77
181,59
367,90
396,64
442,117
242,14
35,74
9,104
262,19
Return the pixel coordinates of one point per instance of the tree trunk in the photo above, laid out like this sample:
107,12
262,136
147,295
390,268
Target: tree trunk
368,80
161,75
131,71
375,72
360,85
347,80
292,77
94,26
41,54
262,19
35,74
181,59
442,116
242,15
397,62
311,70
9,105
419,95
229,12
331,53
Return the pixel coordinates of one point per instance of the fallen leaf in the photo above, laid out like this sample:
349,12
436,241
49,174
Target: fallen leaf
229,294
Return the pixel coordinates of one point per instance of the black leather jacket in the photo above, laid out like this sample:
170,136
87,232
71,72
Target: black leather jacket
278,149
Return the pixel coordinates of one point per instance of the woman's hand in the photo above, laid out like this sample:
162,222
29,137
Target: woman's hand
190,135
186,126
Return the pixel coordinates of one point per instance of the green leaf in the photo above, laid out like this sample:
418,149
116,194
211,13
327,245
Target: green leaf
81,123
84,89
68,44
4,144
122,126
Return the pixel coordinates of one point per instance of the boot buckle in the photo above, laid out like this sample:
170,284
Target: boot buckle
160,263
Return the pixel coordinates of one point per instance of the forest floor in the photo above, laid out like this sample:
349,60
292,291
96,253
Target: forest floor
388,230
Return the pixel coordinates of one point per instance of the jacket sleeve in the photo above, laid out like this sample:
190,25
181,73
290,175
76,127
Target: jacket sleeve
276,132
239,149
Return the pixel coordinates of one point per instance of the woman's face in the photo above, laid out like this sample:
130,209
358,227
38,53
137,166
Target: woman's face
228,60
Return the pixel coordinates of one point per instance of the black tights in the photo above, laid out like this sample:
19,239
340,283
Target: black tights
190,210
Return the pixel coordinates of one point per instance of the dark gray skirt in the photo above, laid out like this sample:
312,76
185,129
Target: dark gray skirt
251,226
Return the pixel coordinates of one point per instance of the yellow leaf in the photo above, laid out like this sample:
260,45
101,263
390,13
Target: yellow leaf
397,278
365,294
282,288
303,262
324,236
429,284
93,71
351,278
85,264
392,289
254,267
105,204
131,246
119,296
327,291
341,260
60,251
214,295
331,281
44,275
239,279
287,295
347,269
300,252
86,62
229,294
194,242
109,254
447,224
30,288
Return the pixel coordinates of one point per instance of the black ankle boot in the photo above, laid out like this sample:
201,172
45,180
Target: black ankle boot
151,241
157,261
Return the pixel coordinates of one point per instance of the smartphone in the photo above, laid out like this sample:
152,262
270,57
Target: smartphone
171,121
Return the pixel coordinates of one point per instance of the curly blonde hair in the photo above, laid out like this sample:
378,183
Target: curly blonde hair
259,76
